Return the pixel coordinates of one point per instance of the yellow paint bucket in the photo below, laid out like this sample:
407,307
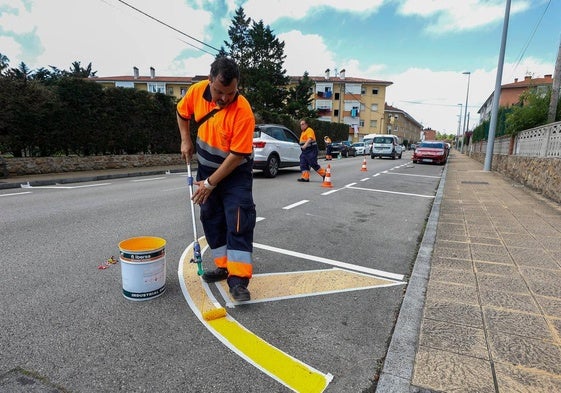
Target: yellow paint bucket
143,267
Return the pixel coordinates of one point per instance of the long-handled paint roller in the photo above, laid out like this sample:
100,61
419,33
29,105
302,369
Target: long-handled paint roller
215,313
197,258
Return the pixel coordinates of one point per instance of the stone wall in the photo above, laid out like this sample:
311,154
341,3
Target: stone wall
542,175
40,165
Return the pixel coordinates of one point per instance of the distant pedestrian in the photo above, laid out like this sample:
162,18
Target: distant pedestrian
328,148
309,155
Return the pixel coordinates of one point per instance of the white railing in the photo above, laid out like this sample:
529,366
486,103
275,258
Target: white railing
542,141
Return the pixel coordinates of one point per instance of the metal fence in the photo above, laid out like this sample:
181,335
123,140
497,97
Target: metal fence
542,141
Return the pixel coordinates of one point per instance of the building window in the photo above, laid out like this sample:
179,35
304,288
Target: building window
363,91
156,87
373,123
375,91
170,91
182,91
374,108
336,96
336,112
361,123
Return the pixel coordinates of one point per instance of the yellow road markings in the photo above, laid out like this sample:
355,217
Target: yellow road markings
287,370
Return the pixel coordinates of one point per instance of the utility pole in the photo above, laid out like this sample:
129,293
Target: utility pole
556,86
496,94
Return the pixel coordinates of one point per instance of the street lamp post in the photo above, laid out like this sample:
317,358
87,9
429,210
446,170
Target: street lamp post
459,128
468,73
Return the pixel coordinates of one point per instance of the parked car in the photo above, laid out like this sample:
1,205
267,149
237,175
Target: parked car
274,147
431,152
360,148
345,147
386,146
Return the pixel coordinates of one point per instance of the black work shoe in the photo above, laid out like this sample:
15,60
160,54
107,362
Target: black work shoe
304,180
217,274
240,293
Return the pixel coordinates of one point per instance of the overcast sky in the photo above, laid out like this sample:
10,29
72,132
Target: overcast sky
422,46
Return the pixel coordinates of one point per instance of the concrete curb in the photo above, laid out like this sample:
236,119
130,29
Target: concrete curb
49,181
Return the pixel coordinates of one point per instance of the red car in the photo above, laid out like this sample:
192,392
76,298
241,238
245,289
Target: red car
432,152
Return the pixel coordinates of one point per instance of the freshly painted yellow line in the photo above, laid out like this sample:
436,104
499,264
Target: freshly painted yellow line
280,366
286,369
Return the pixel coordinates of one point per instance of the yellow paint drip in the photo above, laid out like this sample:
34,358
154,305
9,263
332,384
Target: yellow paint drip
290,371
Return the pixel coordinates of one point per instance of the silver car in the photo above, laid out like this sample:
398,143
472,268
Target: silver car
386,146
274,147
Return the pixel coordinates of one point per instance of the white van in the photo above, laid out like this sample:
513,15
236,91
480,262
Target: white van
386,146
368,142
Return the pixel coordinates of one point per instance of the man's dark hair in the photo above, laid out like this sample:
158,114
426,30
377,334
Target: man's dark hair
225,69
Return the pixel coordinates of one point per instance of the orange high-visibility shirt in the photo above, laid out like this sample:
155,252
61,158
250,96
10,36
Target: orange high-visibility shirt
307,134
230,130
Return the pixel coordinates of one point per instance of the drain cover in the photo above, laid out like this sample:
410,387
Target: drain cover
474,182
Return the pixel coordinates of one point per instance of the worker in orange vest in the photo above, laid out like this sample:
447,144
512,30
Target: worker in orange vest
309,155
327,141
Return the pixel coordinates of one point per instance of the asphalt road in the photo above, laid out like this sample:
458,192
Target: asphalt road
66,323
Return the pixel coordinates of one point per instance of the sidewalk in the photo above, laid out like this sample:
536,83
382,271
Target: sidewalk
482,312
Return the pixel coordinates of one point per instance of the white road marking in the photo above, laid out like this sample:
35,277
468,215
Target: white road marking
16,193
67,187
344,265
296,204
149,179
410,174
392,192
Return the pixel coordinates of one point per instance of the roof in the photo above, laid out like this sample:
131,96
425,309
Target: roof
336,79
196,78
528,82
130,78
392,109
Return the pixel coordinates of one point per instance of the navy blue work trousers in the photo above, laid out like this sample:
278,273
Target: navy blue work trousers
309,159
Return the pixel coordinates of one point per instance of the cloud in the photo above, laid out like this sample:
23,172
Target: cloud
432,97
298,9
455,16
109,34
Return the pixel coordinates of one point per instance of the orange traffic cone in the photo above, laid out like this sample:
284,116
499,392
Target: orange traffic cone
363,169
327,178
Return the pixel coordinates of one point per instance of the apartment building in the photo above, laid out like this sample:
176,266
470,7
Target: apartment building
400,123
171,85
510,93
358,102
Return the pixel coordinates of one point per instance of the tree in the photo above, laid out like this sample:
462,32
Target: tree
260,56
531,112
77,71
240,46
26,109
4,63
266,80
300,98
22,72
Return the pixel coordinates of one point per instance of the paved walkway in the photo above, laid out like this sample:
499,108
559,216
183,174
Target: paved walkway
482,311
